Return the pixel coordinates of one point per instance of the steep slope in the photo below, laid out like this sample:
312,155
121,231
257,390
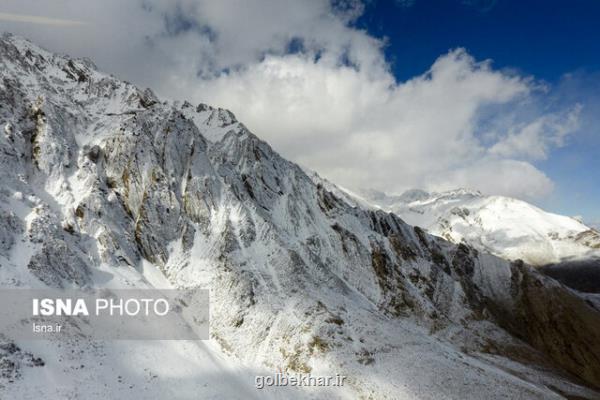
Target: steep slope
105,184
503,226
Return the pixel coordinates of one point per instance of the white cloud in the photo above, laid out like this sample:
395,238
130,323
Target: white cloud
535,139
366,131
301,76
505,176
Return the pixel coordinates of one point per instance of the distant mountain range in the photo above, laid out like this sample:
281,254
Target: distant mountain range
503,226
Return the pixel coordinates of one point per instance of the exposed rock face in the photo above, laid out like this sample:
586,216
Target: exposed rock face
12,361
561,324
553,319
10,224
56,265
111,176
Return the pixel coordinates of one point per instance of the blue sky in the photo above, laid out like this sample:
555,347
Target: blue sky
388,95
555,41
544,38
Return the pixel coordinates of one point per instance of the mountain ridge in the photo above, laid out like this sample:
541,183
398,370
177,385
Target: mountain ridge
506,227
117,182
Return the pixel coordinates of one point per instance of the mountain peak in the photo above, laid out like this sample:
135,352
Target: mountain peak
509,228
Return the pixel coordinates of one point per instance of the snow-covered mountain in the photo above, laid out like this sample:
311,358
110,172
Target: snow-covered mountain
503,226
106,185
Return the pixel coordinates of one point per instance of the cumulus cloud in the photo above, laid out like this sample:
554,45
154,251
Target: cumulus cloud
370,131
303,77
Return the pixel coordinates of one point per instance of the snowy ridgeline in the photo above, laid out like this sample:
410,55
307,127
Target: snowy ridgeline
105,185
508,228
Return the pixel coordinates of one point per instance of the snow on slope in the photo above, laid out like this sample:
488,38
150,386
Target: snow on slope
105,184
506,227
